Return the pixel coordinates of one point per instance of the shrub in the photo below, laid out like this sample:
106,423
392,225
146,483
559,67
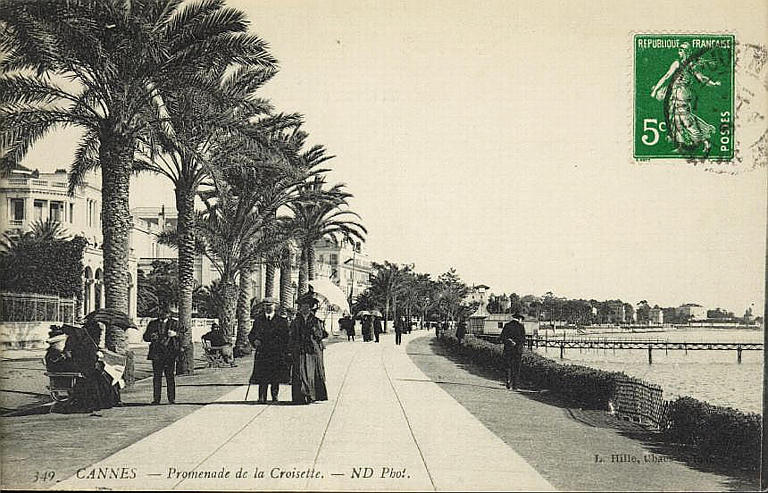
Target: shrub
581,385
715,431
728,434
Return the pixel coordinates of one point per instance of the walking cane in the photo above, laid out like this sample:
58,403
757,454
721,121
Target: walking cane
247,390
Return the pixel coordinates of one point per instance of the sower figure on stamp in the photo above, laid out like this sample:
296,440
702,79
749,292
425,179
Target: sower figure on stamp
306,346
164,348
686,129
513,338
269,336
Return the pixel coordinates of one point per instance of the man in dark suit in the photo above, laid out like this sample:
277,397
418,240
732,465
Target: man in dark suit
513,338
377,328
269,336
164,347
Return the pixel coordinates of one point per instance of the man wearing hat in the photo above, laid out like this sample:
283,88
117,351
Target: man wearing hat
269,335
217,338
306,346
164,349
513,338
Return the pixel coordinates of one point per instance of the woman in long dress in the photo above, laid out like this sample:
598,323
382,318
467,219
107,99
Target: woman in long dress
306,346
686,129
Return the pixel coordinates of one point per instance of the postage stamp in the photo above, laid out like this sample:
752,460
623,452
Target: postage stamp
684,96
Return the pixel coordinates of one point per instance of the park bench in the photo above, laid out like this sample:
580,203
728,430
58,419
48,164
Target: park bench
61,384
214,355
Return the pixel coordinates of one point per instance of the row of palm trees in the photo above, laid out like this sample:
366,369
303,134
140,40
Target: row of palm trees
171,87
398,290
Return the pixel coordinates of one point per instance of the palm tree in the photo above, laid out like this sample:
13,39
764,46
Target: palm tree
317,214
203,120
387,281
120,58
239,222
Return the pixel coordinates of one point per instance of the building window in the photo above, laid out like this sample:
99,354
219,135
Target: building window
71,212
334,259
40,206
500,325
17,209
57,211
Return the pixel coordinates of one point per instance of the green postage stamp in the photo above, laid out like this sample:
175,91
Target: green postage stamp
684,96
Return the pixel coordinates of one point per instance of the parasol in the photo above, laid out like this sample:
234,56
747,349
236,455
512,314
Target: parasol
110,316
376,313
362,313
327,290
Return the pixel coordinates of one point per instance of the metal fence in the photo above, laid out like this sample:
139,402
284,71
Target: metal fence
639,401
28,307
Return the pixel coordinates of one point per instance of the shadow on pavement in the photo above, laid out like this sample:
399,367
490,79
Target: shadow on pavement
737,478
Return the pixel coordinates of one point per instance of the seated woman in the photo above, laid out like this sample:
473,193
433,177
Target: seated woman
96,390
57,360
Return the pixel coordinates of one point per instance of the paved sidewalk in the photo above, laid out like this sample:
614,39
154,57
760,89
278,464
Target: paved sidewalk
574,449
385,427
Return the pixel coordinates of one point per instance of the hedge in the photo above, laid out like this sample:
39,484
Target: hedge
51,267
584,386
727,434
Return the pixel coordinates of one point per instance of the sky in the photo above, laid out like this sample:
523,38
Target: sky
495,137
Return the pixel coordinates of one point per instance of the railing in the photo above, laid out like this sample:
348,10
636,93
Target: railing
639,401
649,345
28,307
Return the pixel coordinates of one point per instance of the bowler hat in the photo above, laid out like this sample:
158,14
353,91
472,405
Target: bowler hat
269,299
307,299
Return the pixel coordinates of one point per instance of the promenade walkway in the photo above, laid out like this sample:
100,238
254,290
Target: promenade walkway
386,426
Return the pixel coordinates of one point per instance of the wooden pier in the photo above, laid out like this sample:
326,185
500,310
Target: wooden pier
649,345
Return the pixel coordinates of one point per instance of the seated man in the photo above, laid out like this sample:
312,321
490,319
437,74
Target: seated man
218,339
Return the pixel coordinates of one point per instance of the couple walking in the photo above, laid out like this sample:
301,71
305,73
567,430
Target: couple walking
289,353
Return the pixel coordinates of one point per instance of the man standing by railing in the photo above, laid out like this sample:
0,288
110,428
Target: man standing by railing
513,338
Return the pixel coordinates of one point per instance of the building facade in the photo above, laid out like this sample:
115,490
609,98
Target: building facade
691,311
346,263
27,196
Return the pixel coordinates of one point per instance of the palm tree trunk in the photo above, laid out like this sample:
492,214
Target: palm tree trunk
228,314
285,278
242,346
185,204
311,262
269,280
116,158
302,288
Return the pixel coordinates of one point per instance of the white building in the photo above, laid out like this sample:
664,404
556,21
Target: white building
346,263
27,196
691,311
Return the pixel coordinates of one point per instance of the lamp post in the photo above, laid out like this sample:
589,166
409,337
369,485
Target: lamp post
352,287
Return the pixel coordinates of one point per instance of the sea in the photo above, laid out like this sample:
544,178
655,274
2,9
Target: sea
713,376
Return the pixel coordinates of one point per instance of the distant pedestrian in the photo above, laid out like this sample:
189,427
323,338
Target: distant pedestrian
367,325
376,328
461,331
269,336
164,349
347,324
513,338
306,347
399,329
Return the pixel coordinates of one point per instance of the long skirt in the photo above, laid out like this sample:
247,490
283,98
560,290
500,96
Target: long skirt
308,378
